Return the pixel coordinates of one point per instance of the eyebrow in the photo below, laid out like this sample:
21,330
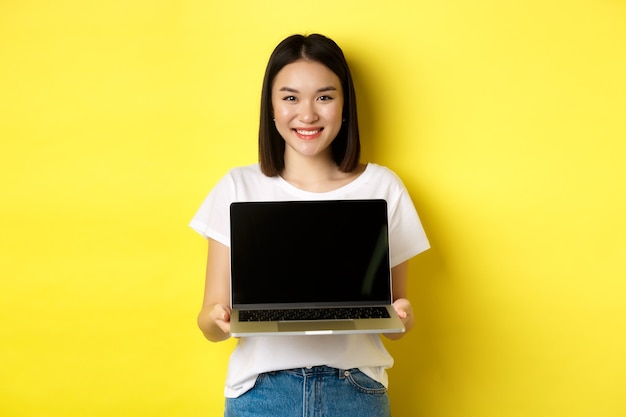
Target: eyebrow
321,90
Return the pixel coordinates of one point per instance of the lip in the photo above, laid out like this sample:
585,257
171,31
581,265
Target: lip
308,133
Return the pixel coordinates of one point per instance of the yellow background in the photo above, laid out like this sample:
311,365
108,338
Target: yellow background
506,120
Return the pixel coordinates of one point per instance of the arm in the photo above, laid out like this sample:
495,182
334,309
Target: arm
399,276
214,317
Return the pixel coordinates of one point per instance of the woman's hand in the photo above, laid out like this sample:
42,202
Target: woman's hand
214,321
405,312
221,315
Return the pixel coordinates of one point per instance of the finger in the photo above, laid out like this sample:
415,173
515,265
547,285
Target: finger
224,326
219,313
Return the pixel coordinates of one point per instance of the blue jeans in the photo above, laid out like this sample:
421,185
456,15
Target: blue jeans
316,392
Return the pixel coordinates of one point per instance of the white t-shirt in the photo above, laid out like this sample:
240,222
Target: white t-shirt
255,355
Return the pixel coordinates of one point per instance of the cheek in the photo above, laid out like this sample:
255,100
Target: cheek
281,113
334,112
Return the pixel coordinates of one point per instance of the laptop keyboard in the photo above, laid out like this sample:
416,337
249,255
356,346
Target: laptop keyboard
299,314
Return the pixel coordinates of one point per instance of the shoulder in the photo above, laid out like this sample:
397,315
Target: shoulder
235,178
381,170
238,176
383,175
248,183
386,184
245,172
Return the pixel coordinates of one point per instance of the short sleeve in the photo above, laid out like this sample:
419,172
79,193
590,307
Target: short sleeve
406,233
212,220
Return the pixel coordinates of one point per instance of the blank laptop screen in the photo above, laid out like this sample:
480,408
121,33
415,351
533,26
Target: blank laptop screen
310,252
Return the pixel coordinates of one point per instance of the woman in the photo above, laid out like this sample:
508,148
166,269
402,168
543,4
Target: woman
309,149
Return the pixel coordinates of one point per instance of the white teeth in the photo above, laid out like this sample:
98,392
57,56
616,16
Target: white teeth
307,132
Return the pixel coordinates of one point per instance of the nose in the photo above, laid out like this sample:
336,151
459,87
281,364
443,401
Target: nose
308,113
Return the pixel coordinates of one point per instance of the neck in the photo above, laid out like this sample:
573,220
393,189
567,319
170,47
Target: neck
309,169
316,174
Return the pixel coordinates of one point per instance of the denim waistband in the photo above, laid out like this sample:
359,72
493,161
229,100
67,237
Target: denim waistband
317,370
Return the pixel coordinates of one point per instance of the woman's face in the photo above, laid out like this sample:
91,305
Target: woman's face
307,100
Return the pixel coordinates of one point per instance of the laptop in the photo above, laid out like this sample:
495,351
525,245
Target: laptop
311,268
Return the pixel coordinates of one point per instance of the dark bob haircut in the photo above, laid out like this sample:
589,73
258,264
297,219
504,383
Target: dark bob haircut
346,147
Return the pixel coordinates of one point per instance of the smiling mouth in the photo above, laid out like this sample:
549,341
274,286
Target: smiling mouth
308,133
